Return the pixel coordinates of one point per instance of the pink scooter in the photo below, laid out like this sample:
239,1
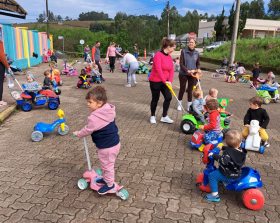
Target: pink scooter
90,177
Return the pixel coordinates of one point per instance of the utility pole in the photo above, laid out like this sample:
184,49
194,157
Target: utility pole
235,31
47,13
168,12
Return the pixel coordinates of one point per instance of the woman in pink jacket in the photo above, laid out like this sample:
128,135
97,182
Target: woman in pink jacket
162,74
111,54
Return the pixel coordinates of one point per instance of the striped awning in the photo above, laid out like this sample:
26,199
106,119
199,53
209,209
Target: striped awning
12,8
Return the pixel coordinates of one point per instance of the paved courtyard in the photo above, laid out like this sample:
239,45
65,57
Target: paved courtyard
38,181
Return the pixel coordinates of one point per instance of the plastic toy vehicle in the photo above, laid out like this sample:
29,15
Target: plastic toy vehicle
230,77
33,95
90,177
197,141
253,141
249,181
245,78
143,69
190,123
268,93
41,127
83,82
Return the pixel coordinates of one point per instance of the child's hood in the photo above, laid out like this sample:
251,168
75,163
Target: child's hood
107,112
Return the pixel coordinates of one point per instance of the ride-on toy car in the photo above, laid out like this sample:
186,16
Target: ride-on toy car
90,177
268,93
248,182
41,127
33,95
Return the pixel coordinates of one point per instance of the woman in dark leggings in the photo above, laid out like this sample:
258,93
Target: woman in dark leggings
162,74
189,62
3,65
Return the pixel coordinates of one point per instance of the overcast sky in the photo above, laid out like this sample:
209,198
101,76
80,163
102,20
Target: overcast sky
73,8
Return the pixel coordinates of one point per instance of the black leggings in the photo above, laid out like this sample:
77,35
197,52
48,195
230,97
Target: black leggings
112,63
97,62
2,73
156,88
183,82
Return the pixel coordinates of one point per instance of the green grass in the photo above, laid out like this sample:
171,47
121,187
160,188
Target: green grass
249,51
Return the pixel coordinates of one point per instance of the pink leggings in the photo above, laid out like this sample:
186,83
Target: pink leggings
107,158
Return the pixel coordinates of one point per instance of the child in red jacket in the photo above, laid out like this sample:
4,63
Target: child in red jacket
213,128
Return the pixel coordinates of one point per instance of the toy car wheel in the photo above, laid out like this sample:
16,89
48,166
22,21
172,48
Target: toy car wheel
187,127
37,136
98,172
262,149
65,132
266,100
82,184
53,105
57,92
253,199
26,106
123,194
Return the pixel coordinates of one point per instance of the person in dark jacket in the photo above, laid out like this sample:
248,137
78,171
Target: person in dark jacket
256,73
230,163
256,112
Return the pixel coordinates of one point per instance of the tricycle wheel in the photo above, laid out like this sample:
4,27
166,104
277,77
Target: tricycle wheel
53,105
98,172
266,100
262,149
37,136
123,194
26,106
253,199
82,184
65,132
187,127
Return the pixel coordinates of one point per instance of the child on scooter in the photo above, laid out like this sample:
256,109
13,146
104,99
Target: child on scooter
198,104
213,128
104,132
55,74
230,163
256,112
213,94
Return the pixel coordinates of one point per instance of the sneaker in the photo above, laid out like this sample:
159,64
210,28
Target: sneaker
153,120
166,119
105,189
210,197
266,144
100,181
128,85
179,108
135,82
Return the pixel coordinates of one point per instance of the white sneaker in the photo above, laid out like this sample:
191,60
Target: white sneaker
166,119
266,144
189,105
153,120
128,85
179,108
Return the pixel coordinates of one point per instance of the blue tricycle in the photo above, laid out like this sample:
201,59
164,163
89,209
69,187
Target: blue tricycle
41,127
248,182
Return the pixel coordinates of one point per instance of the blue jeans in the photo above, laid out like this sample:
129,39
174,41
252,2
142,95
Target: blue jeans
210,136
215,177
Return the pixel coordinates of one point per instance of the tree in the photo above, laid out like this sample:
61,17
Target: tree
219,26
41,17
93,16
274,9
230,22
244,11
59,18
256,10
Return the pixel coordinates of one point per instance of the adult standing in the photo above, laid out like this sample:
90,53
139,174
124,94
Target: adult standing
86,52
133,66
95,54
189,65
162,73
111,54
3,65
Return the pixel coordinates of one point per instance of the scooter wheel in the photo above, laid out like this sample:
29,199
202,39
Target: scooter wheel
262,149
37,136
63,133
98,172
123,194
82,184
253,199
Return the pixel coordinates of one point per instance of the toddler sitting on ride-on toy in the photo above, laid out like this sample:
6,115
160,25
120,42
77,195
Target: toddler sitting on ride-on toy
197,107
230,163
256,112
212,94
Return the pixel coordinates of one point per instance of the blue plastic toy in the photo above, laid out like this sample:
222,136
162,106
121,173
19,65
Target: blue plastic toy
248,182
41,127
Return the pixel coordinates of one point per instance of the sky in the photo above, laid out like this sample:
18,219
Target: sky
72,8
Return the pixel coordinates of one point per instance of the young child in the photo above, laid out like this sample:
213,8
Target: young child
198,104
271,79
255,112
230,163
47,84
55,74
240,71
212,129
212,94
256,73
104,132
177,64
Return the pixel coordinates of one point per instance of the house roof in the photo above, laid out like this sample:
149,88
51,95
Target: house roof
261,24
12,8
